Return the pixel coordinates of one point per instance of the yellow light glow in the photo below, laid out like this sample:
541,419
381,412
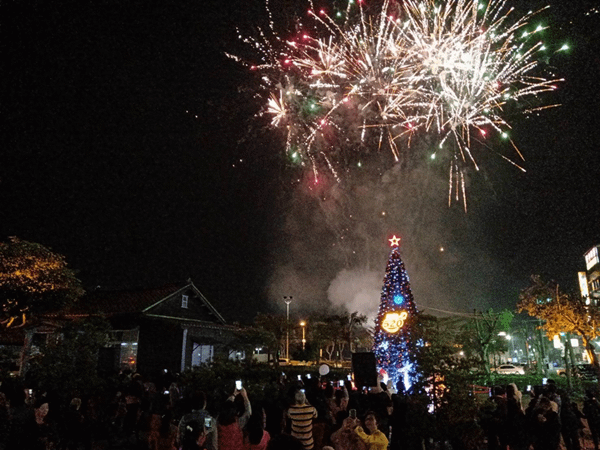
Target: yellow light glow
394,241
393,321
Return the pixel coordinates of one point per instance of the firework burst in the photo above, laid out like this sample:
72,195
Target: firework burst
365,79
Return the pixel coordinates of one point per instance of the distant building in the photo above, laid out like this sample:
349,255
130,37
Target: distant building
589,281
172,328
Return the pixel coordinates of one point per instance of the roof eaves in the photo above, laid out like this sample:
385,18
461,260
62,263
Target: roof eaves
173,294
208,304
196,321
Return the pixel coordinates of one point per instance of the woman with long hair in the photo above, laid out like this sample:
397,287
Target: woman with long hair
256,437
230,423
338,404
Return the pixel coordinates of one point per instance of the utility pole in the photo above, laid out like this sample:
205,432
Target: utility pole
287,300
303,325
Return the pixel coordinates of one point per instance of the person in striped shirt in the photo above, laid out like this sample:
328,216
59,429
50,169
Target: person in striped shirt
301,415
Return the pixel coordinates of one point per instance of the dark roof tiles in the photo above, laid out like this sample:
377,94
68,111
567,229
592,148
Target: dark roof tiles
123,301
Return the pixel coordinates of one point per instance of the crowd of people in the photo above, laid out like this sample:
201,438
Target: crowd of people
301,414
548,421
136,413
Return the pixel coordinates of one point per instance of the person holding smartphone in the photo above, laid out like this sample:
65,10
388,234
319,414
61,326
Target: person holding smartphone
230,424
194,437
375,439
301,415
256,437
198,415
338,403
345,438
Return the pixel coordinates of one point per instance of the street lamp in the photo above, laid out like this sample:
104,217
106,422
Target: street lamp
303,325
287,300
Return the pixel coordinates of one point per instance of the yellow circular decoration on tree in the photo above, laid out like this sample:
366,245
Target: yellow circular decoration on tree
393,321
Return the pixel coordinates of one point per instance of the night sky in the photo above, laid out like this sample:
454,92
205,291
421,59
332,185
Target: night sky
131,146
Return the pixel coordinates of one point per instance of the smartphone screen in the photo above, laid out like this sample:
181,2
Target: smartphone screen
308,376
207,423
299,377
353,414
238,385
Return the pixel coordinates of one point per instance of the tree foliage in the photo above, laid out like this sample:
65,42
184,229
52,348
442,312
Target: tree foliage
69,359
343,328
339,334
249,338
328,334
561,312
480,335
274,326
438,347
447,375
353,325
33,280
333,333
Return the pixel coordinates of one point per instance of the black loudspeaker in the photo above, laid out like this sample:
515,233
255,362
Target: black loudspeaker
364,368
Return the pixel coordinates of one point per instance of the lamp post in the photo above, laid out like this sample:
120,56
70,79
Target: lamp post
287,300
303,325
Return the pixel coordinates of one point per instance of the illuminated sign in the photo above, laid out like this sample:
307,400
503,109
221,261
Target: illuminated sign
591,258
557,342
583,286
393,321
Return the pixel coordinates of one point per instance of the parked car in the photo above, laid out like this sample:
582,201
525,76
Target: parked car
510,369
583,371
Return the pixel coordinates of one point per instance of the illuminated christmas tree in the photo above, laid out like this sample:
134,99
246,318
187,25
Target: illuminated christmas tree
393,341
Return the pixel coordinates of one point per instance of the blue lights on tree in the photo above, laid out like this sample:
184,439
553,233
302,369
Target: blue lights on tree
398,299
393,341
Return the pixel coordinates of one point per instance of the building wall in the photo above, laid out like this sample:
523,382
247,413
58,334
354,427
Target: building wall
194,309
592,261
216,336
159,347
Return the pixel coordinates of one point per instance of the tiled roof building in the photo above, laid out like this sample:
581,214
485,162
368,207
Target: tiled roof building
171,327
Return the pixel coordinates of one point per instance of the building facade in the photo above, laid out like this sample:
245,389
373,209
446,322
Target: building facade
170,328
589,281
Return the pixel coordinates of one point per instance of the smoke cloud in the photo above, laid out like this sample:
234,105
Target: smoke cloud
356,290
334,246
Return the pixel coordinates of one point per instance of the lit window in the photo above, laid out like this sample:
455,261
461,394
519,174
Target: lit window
184,301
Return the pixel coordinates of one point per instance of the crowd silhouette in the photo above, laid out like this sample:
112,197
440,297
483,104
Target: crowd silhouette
140,414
